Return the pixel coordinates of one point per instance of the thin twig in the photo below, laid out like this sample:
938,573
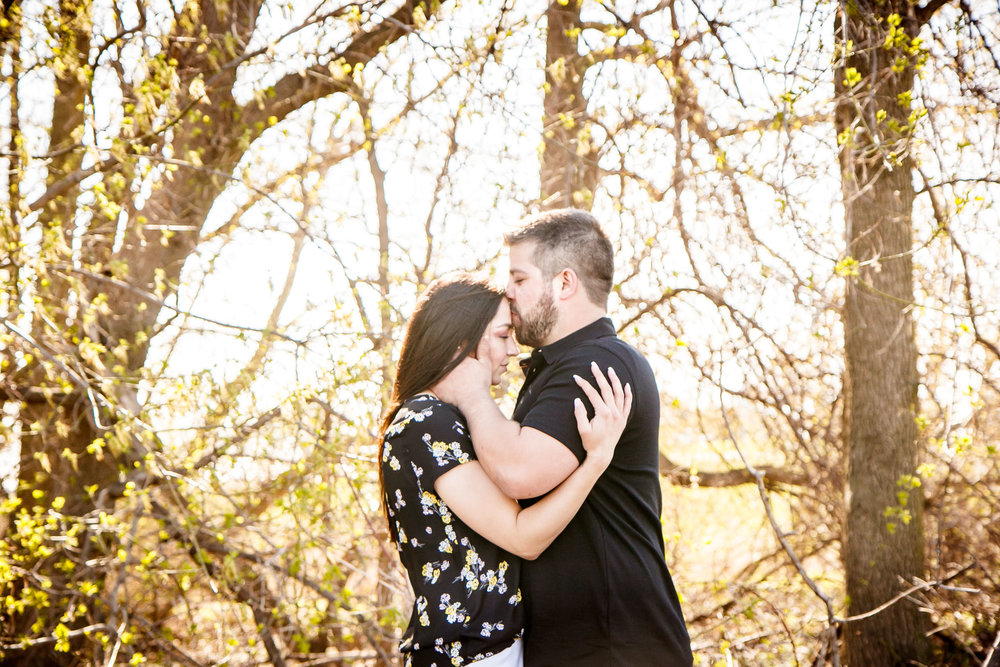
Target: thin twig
41,641
832,621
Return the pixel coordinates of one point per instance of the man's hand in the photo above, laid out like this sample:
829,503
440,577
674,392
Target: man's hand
471,377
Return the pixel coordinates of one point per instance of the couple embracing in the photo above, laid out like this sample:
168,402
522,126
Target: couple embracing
534,540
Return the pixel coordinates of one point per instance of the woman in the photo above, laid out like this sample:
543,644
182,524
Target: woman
457,534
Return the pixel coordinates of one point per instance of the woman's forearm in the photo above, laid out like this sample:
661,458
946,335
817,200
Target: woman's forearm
538,525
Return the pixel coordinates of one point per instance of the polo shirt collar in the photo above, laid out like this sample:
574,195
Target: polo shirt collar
553,352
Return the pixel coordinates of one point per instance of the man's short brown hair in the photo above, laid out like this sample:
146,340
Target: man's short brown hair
568,238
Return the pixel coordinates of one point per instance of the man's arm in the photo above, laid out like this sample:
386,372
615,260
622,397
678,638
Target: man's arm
523,461
526,532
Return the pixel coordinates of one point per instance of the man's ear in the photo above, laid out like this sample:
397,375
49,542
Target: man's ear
566,283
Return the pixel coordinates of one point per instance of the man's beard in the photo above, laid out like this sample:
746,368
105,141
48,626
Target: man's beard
533,328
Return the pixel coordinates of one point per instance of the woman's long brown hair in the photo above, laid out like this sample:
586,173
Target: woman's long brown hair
447,323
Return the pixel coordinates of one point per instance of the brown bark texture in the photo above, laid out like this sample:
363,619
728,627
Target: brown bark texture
569,171
883,545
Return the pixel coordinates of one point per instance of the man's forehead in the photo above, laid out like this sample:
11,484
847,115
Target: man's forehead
521,258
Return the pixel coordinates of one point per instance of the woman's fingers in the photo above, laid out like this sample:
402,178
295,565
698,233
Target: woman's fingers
614,401
612,393
607,393
595,399
582,423
616,388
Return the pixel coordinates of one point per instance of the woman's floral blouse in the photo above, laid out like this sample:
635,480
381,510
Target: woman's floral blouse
467,603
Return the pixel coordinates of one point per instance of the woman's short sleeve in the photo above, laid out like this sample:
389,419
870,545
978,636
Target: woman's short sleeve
435,436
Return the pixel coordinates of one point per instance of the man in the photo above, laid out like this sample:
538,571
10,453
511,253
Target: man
601,594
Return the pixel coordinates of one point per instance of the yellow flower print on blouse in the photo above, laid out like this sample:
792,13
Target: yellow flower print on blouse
455,653
429,503
432,571
439,449
421,603
473,566
456,451
446,452
454,613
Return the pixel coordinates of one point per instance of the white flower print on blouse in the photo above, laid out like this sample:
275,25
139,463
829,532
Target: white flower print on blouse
454,612
446,452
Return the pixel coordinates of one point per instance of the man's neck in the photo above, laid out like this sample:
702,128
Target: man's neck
570,322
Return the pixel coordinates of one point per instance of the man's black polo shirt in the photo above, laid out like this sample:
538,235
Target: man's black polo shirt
601,594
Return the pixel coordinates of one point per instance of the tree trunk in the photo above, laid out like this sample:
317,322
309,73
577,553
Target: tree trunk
569,161
44,470
61,411
883,546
